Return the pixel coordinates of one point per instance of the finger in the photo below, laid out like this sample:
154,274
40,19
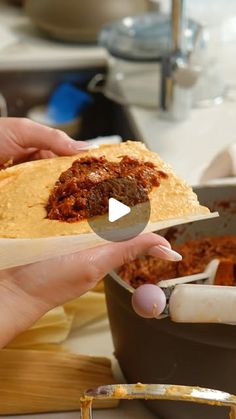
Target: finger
42,154
64,278
31,134
108,257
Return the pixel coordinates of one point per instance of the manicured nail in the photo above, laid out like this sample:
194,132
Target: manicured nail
82,146
89,147
164,252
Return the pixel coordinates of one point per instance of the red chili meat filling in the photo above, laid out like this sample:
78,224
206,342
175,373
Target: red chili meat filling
196,255
83,191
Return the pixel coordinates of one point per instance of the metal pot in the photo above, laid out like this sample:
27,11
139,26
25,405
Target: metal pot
80,20
160,351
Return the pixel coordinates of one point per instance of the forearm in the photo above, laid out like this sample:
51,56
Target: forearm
18,311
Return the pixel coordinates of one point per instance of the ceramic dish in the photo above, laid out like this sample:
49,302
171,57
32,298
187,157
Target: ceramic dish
79,21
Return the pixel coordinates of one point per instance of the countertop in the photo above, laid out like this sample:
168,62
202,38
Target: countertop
190,145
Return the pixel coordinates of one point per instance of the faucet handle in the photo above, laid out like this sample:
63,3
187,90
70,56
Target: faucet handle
178,79
186,75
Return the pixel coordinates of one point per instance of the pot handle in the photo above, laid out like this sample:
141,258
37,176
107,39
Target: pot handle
193,303
97,83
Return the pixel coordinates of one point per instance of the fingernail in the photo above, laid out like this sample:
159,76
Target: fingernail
89,147
83,146
164,252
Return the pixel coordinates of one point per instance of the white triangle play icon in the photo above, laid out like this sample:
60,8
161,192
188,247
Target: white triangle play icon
116,210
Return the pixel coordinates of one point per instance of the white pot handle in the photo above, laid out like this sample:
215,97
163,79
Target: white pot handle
193,303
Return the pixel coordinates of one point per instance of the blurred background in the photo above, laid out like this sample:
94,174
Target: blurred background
160,71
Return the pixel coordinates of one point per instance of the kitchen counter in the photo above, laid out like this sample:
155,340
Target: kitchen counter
190,145
23,47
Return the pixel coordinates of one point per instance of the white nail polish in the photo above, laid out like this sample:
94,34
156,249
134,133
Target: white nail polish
88,147
164,252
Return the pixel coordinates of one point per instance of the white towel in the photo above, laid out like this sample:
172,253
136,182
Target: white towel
223,165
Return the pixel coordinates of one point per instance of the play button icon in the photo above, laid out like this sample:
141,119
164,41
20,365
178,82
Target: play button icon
124,218
116,210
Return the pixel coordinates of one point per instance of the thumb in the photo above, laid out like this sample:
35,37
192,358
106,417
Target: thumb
67,277
104,259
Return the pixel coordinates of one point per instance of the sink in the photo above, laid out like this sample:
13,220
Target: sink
27,88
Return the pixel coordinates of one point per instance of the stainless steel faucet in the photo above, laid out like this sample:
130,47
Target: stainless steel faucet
3,106
177,75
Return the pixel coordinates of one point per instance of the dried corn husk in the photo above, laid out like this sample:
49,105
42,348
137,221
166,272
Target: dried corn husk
99,287
49,381
46,347
87,309
55,326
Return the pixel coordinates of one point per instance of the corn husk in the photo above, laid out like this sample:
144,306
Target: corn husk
55,326
49,381
18,252
88,308
99,287
45,347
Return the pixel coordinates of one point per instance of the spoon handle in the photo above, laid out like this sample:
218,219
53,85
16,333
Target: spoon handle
167,283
